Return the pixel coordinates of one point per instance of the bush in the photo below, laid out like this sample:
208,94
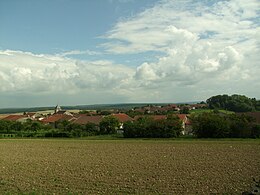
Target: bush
210,125
109,125
256,131
148,128
217,125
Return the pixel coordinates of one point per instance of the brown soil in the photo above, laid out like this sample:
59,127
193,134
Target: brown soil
128,167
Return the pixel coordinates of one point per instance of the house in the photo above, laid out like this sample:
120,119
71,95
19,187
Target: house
23,118
31,115
18,118
183,119
58,110
122,118
65,112
54,119
188,127
84,119
186,124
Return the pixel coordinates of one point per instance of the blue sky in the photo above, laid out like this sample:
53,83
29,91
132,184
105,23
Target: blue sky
121,51
63,25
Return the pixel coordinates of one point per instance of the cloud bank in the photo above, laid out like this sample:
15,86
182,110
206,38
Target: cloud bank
197,40
203,49
25,71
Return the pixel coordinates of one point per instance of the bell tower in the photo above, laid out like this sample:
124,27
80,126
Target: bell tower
57,109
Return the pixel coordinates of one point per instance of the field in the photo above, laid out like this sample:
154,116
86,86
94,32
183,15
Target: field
128,166
198,111
3,116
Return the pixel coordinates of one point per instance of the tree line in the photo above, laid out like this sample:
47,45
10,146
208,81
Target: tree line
143,127
146,127
59,129
219,125
236,103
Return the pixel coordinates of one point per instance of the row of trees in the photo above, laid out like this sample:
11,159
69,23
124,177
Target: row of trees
30,128
236,103
146,127
143,127
215,125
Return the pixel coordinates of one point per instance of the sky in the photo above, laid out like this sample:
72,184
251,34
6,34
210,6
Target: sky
127,51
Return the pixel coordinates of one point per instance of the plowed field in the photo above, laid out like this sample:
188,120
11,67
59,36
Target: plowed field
128,166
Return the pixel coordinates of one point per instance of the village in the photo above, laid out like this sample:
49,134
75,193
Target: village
221,116
84,117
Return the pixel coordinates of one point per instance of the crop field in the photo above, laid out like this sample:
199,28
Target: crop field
3,116
60,166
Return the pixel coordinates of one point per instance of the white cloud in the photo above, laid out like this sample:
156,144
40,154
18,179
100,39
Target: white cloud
78,52
204,48
199,41
24,71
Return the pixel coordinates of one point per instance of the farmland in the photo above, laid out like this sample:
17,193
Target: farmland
128,166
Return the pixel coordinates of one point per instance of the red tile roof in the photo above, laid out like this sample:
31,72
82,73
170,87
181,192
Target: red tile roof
14,117
122,117
182,117
56,117
188,122
84,119
30,114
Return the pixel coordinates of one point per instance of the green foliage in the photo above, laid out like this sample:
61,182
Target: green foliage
104,112
133,113
185,110
83,112
241,126
149,128
256,131
16,126
109,125
210,125
91,129
219,125
236,103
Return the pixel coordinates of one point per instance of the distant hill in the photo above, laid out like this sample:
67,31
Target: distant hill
126,106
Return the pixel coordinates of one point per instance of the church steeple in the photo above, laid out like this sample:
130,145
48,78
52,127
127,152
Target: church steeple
57,109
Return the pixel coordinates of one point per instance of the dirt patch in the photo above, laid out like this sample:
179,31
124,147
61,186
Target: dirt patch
3,116
128,167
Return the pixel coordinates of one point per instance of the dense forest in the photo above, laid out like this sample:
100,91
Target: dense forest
236,103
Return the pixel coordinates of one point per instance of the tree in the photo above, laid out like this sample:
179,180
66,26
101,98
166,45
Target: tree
131,129
241,125
147,127
256,131
35,126
83,112
63,125
236,103
219,125
175,124
185,110
91,129
109,125
5,126
210,125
